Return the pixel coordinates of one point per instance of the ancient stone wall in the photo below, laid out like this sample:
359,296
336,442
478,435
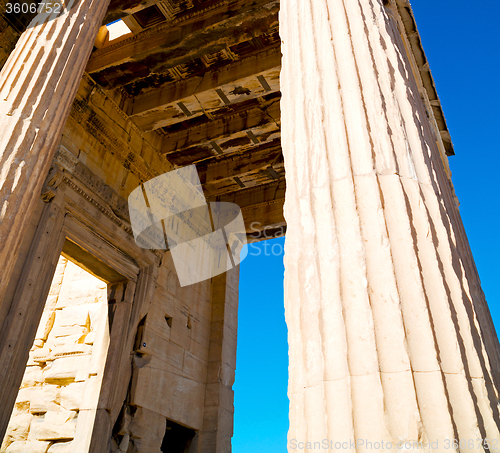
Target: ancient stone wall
179,343
106,141
183,367
183,362
68,347
169,364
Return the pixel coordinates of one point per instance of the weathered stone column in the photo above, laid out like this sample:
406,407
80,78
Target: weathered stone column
389,333
37,87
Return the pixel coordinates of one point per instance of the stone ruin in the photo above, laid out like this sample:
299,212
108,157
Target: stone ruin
318,118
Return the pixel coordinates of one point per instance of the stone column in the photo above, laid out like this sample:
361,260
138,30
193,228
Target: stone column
219,396
389,333
37,87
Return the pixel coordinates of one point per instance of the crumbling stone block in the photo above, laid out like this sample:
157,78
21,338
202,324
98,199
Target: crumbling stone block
28,446
19,427
54,426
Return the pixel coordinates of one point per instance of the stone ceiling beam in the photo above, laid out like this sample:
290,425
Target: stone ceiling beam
262,209
224,126
240,164
218,177
241,80
238,143
169,46
211,80
251,196
265,220
119,9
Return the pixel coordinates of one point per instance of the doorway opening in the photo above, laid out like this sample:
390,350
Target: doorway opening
66,361
177,439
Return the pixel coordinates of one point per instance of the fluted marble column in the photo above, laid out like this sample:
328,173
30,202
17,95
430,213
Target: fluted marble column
390,336
37,87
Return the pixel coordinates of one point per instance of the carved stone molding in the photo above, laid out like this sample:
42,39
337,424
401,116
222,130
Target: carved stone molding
52,182
74,174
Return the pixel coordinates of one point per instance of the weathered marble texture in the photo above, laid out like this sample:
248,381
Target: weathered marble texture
389,333
68,353
37,87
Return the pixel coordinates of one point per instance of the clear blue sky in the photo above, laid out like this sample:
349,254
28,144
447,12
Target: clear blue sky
462,43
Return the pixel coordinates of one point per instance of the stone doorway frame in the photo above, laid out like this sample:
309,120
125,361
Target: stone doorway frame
75,212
